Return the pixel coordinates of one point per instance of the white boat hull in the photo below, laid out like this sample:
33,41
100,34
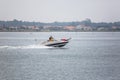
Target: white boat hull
56,44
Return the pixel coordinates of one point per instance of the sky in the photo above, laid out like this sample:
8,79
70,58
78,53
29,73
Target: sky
60,10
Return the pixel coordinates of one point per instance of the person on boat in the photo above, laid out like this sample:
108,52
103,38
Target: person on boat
51,38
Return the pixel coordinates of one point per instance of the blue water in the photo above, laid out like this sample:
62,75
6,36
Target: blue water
88,56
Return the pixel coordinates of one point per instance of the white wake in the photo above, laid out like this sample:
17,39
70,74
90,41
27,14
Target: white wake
24,47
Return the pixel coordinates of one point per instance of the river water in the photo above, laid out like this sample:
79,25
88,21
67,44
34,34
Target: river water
88,56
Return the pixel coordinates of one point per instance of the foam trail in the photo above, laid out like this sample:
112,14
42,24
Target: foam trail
25,47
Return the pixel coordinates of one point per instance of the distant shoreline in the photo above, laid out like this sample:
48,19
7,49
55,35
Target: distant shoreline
60,31
78,26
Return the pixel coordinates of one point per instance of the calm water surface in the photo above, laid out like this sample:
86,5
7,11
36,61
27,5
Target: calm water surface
88,56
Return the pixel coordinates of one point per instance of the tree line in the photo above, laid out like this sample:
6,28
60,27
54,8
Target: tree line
87,22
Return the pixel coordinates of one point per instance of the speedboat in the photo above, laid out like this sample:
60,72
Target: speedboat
56,43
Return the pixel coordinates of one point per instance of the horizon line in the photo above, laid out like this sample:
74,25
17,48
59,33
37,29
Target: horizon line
61,21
